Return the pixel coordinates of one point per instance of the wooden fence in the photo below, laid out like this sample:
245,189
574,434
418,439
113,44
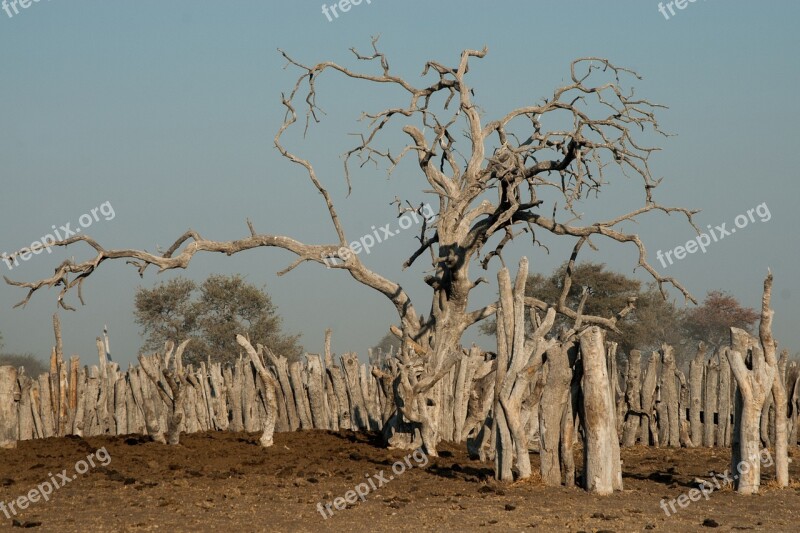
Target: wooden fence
656,403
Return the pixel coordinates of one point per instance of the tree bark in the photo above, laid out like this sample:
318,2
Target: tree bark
649,427
553,411
696,375
316,392
781,422
669,395
602,468
753,385
711,398
9,398
724,406
270,386
518,359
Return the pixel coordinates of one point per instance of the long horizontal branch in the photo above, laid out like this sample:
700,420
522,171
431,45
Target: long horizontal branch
192,244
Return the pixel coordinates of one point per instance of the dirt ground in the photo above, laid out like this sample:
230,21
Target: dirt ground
225,482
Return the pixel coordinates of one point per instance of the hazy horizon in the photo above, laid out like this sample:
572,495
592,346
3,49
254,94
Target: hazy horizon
166,112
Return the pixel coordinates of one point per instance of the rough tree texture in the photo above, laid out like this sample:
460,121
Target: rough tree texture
711,398
9,397
270,384
724,403
602,467
553,412
778,386
649,425
696,375
518,359
633,399
165,377
669,396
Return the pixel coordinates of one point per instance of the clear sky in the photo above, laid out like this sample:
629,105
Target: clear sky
167,111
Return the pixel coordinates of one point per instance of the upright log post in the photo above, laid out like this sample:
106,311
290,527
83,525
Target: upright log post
711,399
669,396
649,426
9,398
633,399
696,375
778,386
724,406
270,386
517,360
602,468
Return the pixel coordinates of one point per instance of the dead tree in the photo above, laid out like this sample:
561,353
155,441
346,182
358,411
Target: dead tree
490,182
754,367
778,388
518,358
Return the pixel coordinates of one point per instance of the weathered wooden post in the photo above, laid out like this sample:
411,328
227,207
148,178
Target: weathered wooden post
711,399
9,398
755,383
696,374
724,406
270,386
633,400
649,427
518,359
602,468
669,396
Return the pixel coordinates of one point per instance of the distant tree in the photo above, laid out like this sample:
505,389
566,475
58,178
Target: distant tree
655,321
211,314
652,322
711,321
33,365
166,312
388,343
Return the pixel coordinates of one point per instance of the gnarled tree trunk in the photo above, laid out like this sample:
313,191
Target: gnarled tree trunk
518,359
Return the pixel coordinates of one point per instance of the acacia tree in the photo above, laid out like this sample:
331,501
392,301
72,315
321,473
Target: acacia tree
711,321
212,314
505,176
653,322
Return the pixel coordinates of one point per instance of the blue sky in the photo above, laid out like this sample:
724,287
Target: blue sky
167,110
